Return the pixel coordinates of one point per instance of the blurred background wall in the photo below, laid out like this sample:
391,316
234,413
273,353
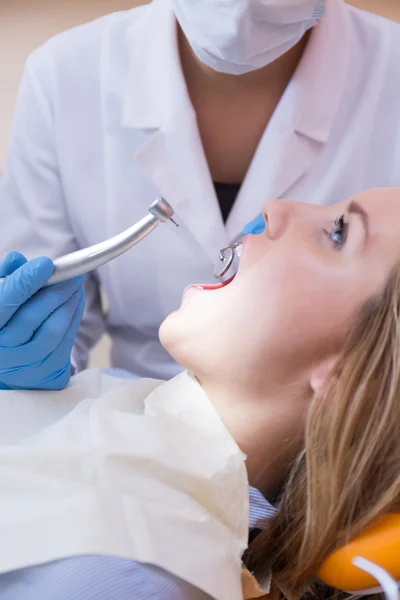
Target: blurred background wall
25,24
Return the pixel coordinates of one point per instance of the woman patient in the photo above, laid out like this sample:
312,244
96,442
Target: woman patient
294,390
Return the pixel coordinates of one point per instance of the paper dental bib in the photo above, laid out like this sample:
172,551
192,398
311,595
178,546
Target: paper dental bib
139,469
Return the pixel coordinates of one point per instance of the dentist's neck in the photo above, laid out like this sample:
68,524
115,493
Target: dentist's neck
233,111
268,428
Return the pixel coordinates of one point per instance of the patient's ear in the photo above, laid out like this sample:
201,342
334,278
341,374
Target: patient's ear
321,371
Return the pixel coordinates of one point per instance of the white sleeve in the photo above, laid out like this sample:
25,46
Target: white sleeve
34,214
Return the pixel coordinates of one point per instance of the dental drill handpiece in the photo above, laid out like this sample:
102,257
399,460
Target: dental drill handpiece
82,261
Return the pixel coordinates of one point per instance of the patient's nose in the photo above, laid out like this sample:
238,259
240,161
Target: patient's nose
274,218
276,215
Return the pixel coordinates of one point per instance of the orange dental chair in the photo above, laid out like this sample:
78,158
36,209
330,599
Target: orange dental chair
368,564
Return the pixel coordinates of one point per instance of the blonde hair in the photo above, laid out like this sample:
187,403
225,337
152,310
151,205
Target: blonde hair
349,471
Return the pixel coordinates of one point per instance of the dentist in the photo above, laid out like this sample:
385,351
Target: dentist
216,106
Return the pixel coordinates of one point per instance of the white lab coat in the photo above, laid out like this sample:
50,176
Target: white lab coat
104,125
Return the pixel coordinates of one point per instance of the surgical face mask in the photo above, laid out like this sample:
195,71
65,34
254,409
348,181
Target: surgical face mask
238,36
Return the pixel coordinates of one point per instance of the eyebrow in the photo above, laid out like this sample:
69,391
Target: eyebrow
355,209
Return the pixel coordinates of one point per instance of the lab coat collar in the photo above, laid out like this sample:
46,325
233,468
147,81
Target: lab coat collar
320,78
155,90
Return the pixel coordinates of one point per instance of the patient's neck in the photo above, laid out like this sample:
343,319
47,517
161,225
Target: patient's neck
269,429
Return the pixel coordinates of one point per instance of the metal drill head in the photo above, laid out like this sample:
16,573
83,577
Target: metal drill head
162,210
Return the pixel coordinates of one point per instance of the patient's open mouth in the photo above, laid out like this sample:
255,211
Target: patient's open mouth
225,269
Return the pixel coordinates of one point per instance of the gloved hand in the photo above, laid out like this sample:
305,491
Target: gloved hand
38,325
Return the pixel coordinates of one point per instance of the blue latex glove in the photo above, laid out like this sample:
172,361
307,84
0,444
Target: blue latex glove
37,325
255,227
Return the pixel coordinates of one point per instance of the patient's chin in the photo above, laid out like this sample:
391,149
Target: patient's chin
170,333
176,339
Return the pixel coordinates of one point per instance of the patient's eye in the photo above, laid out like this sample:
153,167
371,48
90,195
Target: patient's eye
338,232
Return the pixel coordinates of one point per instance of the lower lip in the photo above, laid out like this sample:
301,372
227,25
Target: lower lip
203,288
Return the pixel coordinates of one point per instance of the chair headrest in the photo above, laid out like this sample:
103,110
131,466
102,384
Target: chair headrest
379,544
